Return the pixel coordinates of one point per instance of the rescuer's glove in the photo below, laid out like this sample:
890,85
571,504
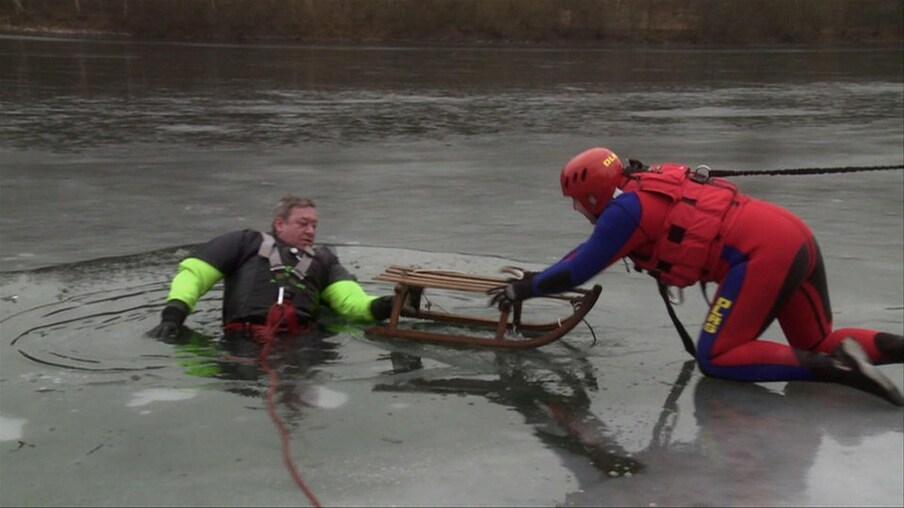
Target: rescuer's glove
519,288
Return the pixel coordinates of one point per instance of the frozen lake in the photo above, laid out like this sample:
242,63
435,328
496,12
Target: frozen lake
116,157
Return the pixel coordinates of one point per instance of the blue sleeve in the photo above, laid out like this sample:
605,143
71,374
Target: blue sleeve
615,226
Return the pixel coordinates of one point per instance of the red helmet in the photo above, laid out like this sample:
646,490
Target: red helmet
591,177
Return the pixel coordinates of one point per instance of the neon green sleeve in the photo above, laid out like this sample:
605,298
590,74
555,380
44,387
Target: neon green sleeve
193,279
348,299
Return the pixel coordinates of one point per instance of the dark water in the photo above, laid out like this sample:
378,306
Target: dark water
156,145
116,156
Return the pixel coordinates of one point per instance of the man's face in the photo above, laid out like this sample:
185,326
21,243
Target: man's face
299,229
580,208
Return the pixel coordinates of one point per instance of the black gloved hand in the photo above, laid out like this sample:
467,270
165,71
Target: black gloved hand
381,307
503,297
171,318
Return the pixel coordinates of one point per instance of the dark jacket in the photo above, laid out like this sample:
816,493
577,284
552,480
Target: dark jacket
251,286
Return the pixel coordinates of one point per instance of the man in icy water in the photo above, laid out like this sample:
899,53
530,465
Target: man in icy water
274,282
684,227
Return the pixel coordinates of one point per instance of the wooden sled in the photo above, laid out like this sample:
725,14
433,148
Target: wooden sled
411,283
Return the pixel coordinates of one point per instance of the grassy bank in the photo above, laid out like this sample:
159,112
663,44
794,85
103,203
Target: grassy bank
472,21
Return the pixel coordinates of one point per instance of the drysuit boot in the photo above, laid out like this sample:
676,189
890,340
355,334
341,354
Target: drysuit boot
891,346
849,365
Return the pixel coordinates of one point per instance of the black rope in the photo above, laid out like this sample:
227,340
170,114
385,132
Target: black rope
591,332
682,332
803,171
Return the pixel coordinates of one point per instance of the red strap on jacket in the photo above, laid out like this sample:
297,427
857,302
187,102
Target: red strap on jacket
281,320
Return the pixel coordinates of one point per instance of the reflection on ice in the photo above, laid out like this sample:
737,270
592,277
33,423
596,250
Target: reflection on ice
11,428
145,397
323,397
624,420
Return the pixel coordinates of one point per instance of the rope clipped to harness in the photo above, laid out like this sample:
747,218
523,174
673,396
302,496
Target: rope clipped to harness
281,319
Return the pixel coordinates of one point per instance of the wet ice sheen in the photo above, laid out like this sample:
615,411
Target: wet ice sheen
145,397
445,158
11,428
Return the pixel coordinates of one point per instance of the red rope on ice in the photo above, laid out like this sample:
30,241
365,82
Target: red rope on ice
281,314
284,436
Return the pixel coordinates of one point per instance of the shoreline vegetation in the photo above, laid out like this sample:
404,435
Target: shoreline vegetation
527,22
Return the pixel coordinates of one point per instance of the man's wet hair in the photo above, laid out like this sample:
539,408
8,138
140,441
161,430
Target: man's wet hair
285,205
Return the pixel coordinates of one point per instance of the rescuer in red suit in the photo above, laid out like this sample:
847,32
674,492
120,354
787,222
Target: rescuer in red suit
683,227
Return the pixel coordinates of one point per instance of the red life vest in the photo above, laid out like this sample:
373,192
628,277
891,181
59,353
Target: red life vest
690,240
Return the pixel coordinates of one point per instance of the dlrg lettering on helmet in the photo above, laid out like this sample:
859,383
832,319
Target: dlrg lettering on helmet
590,179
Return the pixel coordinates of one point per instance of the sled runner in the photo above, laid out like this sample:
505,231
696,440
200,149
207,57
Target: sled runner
507,330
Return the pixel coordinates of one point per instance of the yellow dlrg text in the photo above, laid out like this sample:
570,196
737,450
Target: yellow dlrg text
714,319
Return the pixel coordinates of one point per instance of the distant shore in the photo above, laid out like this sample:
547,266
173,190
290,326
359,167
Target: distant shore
538,22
